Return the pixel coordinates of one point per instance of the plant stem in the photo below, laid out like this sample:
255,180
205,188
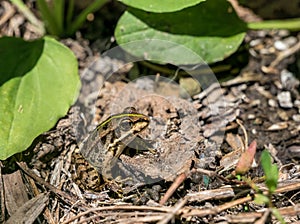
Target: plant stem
48,17
289,24
58,11
70,11
30,16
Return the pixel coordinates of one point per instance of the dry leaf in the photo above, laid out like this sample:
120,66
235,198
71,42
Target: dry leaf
246,159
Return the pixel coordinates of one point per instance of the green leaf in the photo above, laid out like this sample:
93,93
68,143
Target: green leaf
38,83
161,6
270,170
201,29
261,199
278,216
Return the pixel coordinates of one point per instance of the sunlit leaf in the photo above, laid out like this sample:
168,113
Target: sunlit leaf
38,83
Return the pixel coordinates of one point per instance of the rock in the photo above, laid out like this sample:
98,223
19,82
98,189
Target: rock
285,99
280,45
288,80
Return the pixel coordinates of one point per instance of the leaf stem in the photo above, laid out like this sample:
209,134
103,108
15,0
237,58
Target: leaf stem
289,24
58,12
70,12
48,17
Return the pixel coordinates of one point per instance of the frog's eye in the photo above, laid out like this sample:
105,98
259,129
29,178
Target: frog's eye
125,125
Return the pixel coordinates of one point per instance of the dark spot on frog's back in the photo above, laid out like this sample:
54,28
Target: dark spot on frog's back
104,127
101,142
89,169
95,178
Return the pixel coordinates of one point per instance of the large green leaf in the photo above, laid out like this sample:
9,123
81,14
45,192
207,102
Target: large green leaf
211,29
38,83
161,6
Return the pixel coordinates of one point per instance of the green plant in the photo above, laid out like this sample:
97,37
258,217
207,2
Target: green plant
270,170
271,176
209,28
38,83
271,181
58,20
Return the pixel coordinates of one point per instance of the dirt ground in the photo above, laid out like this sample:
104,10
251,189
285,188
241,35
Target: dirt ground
189,178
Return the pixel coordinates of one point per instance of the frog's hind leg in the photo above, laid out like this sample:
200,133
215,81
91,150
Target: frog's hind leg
85,175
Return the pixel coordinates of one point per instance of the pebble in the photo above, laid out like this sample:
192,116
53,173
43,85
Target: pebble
286,43
297,104
283,115
280,45
296,117
290,41
255,42
285,99
283,33
272,103
251,116
261,33
258,121
288,80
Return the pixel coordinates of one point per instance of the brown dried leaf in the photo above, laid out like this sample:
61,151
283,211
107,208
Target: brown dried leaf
15,192
29,211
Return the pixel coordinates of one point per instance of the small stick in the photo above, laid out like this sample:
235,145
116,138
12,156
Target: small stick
245,134
59,193
178,181
174,211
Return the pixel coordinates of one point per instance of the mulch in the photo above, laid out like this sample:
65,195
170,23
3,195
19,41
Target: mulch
260,104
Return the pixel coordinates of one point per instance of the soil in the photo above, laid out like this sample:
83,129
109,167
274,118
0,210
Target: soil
198,140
